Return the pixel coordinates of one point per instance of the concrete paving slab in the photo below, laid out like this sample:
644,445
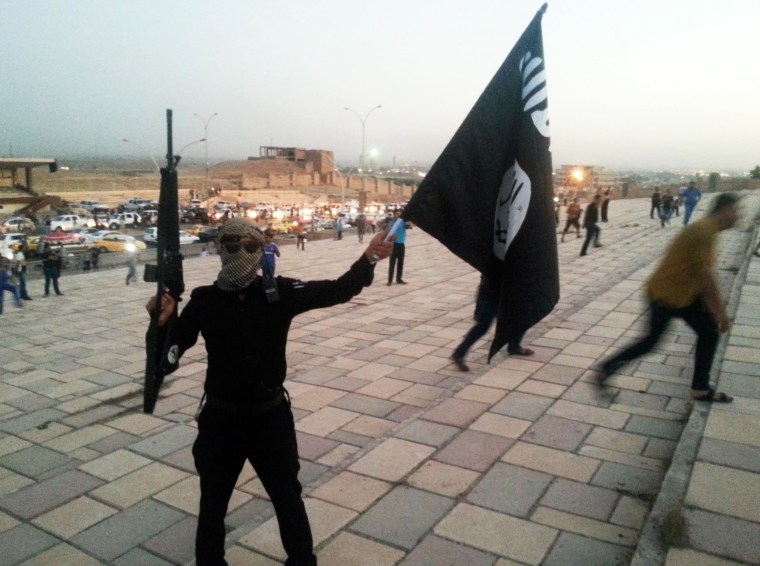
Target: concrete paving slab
574,549
510,489
348,548
24,541
443,552
402,516
120,533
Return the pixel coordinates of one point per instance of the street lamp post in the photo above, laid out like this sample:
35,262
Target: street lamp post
179,153
158,169
363,122
205,138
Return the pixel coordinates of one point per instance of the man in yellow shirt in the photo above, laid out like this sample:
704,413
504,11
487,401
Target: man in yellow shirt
685,286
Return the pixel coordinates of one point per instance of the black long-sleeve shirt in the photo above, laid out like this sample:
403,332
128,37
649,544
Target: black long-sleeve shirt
591,217
246,339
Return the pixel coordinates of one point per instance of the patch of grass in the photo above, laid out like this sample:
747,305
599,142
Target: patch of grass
674,527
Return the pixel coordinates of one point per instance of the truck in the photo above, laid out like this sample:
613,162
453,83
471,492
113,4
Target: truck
93,206
68,222
136,203
116,221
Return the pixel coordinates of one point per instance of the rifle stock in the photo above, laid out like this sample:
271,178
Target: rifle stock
160,342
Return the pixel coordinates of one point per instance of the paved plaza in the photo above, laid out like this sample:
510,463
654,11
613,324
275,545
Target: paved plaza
405,460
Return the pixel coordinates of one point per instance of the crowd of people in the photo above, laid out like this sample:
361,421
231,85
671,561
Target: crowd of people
664,204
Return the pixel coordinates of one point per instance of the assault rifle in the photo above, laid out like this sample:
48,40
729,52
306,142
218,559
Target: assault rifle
160,343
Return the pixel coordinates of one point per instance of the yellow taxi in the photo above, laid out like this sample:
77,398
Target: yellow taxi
118,242
197,228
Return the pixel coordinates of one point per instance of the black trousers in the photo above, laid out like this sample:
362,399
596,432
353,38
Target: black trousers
592,233
701,321
268,441
396,262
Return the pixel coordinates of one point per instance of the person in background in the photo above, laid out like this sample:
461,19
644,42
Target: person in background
691,197
361,226
339,224
573,218
605,205
655,203
399,251
6,285
19,270
590,219
131,267
271,251
94,255
51,269
299,231
666,208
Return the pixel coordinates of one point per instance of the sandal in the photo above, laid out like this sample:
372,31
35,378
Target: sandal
713,396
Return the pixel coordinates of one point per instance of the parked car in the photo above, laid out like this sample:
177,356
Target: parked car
93,206
86,235
150,236
220,204
185,238
124,218
61,237
69,222
188,215
149,216
195,229
33,245
135,203
118,242
9,242
19,224
220,213
99,234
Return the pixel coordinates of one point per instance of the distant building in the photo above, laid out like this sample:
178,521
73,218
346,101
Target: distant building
317,160
587,177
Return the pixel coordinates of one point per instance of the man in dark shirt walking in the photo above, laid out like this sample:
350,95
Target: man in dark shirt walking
590,219
655,203
247,413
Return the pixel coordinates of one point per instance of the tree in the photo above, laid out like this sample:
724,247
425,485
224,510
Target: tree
755,173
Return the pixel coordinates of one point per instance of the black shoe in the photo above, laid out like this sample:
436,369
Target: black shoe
401,282
27,298
459,362
59,294
583,253
597,245
390,283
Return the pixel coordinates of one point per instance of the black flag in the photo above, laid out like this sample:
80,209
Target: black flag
489,197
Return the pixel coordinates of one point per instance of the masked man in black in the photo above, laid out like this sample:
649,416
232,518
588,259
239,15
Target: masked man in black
247,413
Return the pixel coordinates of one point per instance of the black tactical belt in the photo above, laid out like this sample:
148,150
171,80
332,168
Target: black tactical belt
243,409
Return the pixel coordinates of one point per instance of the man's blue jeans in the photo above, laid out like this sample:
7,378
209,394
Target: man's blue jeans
13,289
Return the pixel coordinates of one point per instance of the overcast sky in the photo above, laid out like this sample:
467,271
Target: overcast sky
644,83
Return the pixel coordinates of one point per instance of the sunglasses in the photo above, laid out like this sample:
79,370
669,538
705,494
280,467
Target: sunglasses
233,244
